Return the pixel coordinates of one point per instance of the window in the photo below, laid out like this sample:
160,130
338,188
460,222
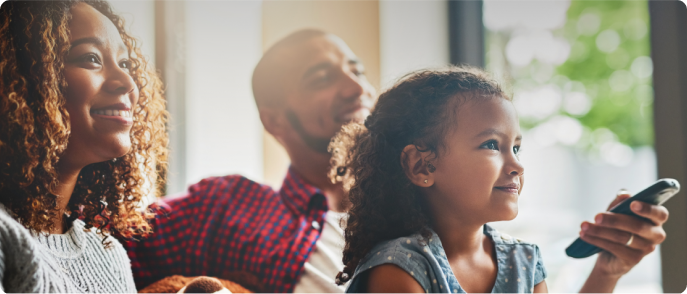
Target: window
581,77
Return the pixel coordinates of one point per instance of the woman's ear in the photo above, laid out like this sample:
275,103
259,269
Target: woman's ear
415,166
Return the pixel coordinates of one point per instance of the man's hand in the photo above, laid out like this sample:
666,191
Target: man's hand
625,239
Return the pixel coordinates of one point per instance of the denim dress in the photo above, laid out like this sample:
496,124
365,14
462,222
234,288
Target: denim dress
520,265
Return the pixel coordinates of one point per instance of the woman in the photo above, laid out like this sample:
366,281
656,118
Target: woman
82,120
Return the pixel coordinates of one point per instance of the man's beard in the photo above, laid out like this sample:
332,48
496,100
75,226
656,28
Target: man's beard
318,144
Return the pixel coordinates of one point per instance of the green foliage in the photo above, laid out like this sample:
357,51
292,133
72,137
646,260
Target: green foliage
627,113
621,96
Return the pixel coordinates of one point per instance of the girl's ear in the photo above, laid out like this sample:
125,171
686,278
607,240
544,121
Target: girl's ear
415,166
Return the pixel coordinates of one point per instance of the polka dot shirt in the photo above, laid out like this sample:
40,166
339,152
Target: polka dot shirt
520,265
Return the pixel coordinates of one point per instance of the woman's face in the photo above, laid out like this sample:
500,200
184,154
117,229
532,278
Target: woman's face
100,95
479,178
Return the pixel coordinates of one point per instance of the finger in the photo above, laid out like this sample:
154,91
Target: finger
656,213
630,224
623,252
620,197
618,236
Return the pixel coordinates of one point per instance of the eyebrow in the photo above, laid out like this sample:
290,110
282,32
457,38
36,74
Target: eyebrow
95,41
491,131
88,40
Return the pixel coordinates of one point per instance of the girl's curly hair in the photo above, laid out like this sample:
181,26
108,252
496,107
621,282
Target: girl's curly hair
419,109
34,40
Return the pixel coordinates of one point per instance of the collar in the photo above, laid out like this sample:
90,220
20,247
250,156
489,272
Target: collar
297,193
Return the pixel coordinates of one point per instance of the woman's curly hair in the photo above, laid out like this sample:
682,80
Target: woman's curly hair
34,40
420,109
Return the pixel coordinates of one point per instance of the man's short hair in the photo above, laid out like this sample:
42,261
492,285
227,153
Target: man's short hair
268,73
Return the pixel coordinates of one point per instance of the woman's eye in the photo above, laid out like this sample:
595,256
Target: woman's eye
126,64
493,145
90,58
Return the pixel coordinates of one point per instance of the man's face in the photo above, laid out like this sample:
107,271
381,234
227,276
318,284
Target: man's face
326,88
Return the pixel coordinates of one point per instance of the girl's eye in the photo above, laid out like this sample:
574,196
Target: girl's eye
493,145
516,149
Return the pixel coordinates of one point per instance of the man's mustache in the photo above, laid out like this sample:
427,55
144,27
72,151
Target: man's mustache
318,144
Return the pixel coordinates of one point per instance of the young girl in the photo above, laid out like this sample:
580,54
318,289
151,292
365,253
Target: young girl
83,127
434,163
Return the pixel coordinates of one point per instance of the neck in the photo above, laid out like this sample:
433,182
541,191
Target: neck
313,168
460,239
67,177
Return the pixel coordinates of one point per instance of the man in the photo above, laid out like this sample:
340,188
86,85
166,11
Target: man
306,87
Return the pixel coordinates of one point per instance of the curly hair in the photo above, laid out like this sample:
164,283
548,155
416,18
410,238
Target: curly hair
420,109
34,40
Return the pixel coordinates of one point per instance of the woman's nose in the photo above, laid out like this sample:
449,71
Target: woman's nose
119,81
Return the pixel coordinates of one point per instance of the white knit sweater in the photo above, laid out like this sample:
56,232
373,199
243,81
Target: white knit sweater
74,262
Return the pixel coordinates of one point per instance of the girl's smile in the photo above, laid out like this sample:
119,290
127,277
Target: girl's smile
513,188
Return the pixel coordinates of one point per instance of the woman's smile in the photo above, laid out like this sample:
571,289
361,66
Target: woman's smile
120,113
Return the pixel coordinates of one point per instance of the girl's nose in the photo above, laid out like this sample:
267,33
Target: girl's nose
516,168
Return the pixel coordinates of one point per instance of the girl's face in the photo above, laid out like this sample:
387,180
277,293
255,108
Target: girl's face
479,177
100,95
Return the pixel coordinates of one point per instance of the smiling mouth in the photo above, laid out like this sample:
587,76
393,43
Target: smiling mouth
507,189
123,117
113,112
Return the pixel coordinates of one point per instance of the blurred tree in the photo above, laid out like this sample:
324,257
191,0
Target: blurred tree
603,84
622,77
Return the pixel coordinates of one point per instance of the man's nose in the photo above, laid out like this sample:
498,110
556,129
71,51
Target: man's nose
352,86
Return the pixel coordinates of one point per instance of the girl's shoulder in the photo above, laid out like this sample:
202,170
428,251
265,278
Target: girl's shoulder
410,253
520,266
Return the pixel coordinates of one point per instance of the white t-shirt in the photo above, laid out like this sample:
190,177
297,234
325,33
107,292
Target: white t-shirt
325,259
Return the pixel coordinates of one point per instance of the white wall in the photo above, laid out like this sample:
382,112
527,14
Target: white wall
413,35
223,130
139,20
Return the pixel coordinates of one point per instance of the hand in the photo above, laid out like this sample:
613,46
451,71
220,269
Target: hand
625,239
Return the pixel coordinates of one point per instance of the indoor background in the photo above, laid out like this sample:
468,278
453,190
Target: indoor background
580,72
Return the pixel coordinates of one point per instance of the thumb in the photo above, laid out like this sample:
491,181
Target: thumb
620,197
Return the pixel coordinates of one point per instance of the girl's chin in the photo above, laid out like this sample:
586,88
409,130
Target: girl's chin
508,213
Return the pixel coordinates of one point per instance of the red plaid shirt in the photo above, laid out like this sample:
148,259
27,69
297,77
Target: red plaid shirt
231,224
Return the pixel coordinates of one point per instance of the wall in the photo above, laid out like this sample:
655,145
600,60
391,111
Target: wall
223,45
139,20
413,35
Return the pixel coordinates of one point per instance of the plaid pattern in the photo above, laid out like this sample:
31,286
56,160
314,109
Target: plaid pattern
231,224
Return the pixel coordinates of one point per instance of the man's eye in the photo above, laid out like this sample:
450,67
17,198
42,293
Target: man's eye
493,145
320,80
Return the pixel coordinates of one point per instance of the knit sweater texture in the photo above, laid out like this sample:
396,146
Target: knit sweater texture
73,262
